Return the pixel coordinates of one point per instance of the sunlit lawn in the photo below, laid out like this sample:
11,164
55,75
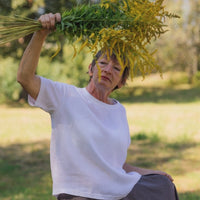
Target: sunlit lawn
165,136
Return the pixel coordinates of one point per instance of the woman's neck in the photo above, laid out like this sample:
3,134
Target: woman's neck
99,93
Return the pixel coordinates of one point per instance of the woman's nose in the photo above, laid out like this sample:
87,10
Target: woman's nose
108,68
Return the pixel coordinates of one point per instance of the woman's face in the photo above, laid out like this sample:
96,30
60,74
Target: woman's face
110,75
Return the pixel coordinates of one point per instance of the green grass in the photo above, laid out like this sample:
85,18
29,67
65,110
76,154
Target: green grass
165,135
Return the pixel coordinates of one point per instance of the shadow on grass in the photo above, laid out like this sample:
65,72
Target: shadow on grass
25,171
151,151
157,95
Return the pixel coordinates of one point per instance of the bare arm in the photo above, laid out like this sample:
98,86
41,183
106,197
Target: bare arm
128,168
27,68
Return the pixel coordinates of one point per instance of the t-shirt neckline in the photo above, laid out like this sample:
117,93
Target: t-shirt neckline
95,100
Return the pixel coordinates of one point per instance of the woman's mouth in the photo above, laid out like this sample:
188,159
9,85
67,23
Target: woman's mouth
105,78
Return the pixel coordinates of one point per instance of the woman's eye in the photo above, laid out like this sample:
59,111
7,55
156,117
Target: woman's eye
116,68
103,63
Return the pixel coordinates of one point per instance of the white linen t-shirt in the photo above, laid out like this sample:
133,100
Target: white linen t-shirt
89,142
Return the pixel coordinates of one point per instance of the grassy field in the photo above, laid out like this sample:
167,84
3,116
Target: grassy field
164,125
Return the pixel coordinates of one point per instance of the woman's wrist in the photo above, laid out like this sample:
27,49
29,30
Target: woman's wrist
41,34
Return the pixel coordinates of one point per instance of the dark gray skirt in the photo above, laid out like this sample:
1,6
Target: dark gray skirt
153,187
149,187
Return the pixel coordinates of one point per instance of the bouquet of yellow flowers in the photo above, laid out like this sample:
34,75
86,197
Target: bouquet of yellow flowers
123,27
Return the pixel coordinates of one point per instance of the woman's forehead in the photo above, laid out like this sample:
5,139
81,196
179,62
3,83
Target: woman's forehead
112,58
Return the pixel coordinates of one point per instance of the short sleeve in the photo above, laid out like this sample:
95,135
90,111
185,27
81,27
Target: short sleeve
50,96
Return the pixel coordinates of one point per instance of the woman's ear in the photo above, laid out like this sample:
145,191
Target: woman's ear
90,70
120,84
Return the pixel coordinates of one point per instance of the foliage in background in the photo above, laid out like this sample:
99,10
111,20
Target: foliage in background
9,88
70,71
179,49
58,71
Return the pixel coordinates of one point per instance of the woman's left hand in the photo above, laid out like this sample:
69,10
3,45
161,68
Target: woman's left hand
149,171
128,168
167,175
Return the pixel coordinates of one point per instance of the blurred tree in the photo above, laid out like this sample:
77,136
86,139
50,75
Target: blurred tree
193,37
78,69
5,7
179,48
169,46
59,5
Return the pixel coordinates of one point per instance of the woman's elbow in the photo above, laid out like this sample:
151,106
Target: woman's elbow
20,78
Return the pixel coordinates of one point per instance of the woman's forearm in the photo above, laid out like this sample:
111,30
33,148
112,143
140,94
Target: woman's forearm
29,62
30,58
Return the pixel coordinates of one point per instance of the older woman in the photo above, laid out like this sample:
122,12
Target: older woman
90,134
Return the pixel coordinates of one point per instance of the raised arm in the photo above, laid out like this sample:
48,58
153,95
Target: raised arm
27,68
